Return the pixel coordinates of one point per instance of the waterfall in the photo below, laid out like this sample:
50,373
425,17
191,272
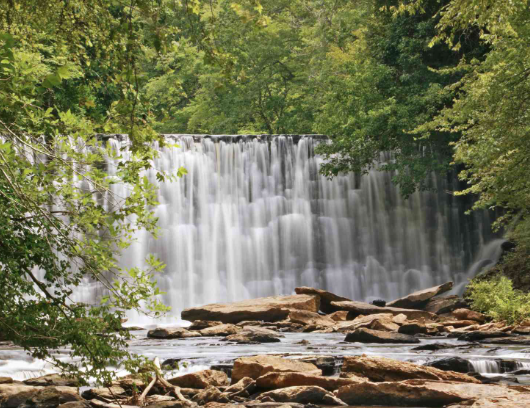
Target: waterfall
253,217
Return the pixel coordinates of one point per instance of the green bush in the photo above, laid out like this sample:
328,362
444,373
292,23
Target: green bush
498,299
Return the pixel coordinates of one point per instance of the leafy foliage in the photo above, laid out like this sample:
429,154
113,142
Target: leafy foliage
498,299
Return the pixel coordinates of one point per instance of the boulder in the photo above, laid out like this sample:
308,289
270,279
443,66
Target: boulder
413,328
460,323
6,380
302,395
255,367
52,379
420,298
52,397
76,404
202,324
240,386
363,321
210,394
380,369
171,333
384,325
14,395
325,297
456,364
399,319
104,394
284,380
268,309
310,318
200,379
339,316
222,330
248,336
466,314
324,363
364,335
444,304
396,394
362,308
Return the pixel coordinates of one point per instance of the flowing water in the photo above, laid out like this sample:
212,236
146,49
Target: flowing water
253,217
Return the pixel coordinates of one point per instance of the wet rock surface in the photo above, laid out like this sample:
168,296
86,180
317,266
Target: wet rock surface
271,309
312,363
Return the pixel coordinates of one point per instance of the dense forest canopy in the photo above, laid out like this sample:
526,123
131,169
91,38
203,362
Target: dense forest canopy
438,83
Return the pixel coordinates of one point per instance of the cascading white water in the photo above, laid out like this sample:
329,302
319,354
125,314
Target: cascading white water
486,366
253,217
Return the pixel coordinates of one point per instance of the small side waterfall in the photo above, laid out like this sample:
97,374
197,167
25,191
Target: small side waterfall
253,217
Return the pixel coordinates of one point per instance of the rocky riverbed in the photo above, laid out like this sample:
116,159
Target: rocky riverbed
310,348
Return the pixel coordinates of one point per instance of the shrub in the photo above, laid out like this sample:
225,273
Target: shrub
498,299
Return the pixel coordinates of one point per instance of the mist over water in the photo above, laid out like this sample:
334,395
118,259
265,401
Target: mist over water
253,217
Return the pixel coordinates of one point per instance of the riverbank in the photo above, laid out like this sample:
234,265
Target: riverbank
480,352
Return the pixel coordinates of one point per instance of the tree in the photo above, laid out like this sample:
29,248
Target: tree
384,84
68,71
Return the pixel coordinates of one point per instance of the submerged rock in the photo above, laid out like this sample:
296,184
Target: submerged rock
325,297
456,364
255,367
171,333
201,379
482,335
364,335
384,369
420,298
269,309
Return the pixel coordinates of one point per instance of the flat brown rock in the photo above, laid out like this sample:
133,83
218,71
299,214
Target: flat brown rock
466,314
257,366
362,321
396,394
171,333
325,297
284,380
384,369
268,309
364,335
420,298
303,395
339,316
310,318
362,308
52,379
222,330
425,393
13,395
201,379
